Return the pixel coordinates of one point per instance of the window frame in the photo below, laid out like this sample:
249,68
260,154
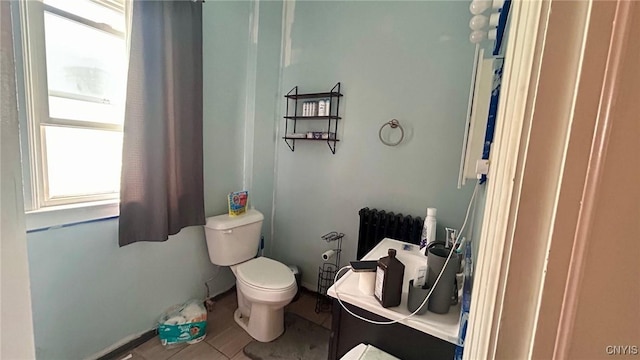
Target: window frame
35,92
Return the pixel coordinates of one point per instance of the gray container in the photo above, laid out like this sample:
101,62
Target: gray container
440,299
416,297
296,273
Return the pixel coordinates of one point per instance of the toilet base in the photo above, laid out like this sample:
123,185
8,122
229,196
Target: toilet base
265,324
261,313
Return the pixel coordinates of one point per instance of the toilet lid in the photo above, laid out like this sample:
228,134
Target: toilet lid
266,274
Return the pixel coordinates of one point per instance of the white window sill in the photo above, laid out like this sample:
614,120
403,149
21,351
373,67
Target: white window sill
66,215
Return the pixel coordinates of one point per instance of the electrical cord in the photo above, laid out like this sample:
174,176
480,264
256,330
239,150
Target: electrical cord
453,246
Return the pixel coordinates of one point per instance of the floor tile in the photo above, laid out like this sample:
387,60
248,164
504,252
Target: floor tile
305,307
230,341
199,351
241,356
134,356
153,350
228,300
219,320
225,339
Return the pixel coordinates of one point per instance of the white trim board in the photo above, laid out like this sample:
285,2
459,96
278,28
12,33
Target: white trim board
527,19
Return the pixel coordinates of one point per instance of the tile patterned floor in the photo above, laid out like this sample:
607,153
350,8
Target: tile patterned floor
225,339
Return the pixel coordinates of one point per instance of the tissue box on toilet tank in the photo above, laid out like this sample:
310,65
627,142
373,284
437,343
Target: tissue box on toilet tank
183,323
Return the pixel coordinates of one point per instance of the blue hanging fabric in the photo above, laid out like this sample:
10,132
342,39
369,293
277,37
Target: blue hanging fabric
497,81
502,24
493,111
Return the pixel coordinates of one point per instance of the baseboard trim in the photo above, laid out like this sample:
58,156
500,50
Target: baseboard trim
309,287
130,345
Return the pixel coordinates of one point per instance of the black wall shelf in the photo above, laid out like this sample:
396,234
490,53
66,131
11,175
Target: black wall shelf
292,116
330,94
313,117
307,139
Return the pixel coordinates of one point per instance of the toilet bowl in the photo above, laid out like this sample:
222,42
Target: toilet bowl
264,286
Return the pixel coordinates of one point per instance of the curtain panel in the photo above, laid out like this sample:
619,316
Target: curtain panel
162,178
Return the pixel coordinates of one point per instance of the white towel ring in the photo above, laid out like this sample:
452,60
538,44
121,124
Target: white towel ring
393,124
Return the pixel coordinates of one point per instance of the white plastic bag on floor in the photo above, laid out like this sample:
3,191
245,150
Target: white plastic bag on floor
183,323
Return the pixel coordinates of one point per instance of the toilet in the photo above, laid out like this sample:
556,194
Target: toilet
264,286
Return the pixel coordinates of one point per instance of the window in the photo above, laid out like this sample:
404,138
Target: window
74,62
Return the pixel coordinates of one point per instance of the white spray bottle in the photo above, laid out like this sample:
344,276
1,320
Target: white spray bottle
429,228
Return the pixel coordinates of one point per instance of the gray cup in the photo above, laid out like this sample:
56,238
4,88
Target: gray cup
440,299
416,297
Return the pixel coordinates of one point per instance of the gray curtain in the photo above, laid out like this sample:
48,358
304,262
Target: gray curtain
162,182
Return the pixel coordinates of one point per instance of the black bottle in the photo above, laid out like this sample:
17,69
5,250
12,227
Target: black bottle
389,277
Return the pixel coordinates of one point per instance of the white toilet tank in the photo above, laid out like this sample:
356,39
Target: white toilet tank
233,239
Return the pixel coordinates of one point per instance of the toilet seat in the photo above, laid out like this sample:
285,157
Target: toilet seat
265,275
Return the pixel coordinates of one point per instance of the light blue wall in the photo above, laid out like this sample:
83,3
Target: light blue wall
225,47
405,60
267,102
87,293
243,82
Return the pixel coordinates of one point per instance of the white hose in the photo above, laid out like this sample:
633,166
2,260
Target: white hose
455,243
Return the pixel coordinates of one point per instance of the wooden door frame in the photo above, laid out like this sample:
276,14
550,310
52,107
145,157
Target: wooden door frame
555,65
551,133
606,39
519,83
